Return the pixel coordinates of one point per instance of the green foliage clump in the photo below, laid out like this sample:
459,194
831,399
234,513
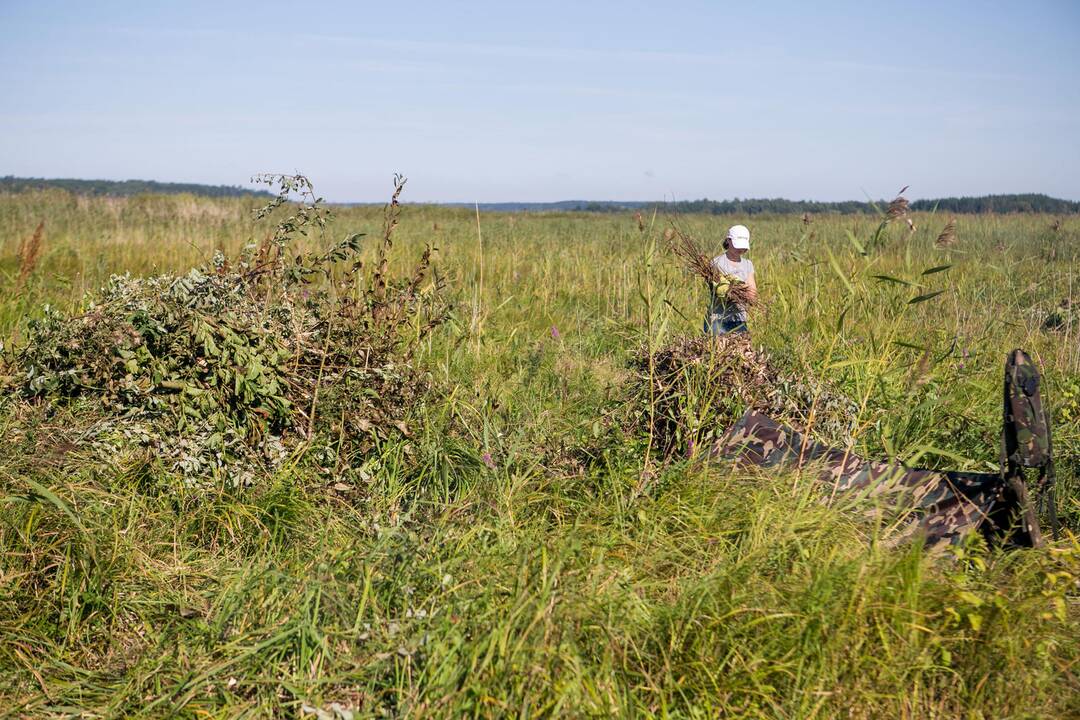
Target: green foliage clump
227,369
193,362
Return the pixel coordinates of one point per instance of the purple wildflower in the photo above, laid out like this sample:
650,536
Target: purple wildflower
486,457
554,333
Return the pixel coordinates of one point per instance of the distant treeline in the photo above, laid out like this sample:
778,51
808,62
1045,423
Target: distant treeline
124,188
1028,203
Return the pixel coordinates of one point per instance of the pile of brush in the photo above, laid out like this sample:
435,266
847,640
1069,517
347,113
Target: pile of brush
688,393
689,253
224,372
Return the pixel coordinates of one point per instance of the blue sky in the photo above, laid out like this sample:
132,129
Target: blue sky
499,101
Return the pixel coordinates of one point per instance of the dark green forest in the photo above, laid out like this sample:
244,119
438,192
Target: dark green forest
124,188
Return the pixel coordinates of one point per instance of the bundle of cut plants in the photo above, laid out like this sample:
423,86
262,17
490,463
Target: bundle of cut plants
690,255
222,373
689,392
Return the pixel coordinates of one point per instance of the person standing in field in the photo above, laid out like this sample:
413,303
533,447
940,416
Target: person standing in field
725,315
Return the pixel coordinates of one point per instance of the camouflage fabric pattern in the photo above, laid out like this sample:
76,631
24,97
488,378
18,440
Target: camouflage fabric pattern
1025,441
941,506
1027,437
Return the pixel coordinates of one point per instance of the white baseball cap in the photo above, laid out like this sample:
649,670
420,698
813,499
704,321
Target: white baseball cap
739,236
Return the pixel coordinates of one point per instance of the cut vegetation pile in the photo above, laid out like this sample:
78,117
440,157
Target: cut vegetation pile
692,390
224,373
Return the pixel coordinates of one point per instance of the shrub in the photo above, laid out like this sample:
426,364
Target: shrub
227,370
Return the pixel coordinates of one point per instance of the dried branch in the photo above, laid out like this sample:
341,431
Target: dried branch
696,262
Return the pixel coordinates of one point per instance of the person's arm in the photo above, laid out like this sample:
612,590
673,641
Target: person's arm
752,284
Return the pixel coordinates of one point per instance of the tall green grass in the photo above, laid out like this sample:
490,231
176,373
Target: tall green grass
531,563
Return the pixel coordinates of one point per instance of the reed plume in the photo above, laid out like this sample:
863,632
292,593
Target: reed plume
29,255
947,238
898,208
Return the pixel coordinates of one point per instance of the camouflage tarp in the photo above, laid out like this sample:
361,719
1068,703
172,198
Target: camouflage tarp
1027,437
942,506
1025,440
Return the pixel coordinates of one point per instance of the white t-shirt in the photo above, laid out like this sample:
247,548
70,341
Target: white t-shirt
742,270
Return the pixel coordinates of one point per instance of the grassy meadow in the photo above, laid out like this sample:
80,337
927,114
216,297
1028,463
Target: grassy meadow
521,552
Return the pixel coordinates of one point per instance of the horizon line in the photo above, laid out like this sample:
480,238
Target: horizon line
469,203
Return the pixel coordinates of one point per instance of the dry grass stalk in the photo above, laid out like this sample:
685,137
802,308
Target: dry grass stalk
919,375
391,215
947,238
30,254
911,229
262,256
689,253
